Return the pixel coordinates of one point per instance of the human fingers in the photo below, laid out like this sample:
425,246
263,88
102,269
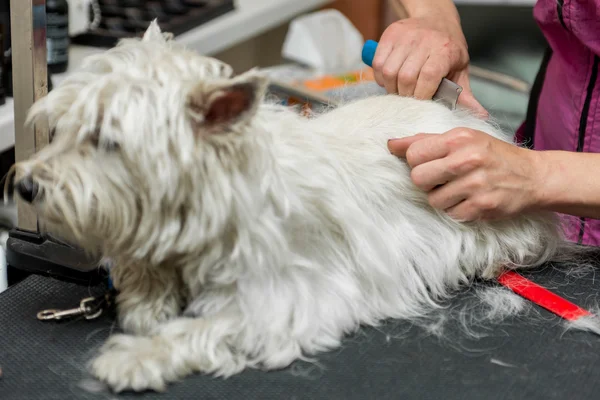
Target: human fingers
448,195
429,148
479,199
430,77
384,49
464,211
392,66
410,70
467,98
486,207
398,147
430,175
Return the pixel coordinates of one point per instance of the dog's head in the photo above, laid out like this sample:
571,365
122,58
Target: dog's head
145,137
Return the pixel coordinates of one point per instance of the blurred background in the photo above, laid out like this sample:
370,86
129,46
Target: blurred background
501,34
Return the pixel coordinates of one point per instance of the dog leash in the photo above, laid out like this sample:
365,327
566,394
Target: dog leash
89,307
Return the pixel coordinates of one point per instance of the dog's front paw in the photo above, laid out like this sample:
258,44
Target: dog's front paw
144,320
134,363
141,316
147,299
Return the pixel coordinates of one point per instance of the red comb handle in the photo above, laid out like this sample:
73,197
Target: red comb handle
541,296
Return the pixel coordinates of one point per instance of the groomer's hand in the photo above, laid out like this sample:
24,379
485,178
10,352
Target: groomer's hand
471,175
414,54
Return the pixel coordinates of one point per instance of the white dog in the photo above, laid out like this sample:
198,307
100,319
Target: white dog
243,234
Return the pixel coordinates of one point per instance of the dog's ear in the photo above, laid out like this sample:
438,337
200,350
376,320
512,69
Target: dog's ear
154,34
218,105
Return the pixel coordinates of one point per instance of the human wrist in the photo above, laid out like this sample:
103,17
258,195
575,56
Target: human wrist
443,10
542,176
441,15
552,180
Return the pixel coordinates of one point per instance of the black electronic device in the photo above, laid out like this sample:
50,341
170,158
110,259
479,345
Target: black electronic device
130,18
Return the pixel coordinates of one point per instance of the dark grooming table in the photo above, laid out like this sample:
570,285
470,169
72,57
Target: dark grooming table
519,359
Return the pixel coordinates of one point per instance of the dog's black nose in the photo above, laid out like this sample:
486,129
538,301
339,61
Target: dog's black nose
27,188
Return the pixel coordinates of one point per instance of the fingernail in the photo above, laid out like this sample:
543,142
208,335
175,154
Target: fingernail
390,144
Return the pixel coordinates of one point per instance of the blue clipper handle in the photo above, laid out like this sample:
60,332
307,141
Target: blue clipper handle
368,52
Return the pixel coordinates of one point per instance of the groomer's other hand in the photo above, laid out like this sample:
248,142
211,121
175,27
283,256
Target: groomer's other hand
414,54
472,175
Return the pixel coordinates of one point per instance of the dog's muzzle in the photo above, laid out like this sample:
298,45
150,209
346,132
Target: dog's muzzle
27,189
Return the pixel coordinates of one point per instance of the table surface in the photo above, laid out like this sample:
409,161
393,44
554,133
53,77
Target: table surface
248,20
519,358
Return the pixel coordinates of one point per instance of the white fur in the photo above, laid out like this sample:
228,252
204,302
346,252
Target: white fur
260,241
501,303
588,323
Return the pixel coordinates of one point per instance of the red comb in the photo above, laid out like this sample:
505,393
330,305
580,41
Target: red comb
542,296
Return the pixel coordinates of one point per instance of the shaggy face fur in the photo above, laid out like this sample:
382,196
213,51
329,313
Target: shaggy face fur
243,234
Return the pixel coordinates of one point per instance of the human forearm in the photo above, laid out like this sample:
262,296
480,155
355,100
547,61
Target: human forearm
569,183
425,8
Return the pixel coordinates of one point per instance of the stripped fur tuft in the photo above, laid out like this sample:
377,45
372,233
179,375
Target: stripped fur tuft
244,235
589,323
472,316
501,303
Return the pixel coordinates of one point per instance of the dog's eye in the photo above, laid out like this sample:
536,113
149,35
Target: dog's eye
107,145
110,145
95,138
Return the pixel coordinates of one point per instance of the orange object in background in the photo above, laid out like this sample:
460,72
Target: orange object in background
316,88
329,82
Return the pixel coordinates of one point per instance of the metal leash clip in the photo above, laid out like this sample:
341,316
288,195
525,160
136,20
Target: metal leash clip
88,307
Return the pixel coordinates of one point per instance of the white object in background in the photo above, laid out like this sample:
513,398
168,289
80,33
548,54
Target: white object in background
79,16
324,40
3,268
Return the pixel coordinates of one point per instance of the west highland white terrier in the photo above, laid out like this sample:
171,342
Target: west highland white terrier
245,235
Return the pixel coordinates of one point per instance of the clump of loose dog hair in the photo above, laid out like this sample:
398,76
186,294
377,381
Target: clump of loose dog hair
501,303
589,323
